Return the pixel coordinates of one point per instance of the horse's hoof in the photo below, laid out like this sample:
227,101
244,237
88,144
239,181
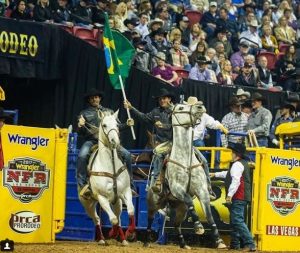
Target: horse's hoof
130,236
199,231
221,245
125,243
102,243
187,247
146,245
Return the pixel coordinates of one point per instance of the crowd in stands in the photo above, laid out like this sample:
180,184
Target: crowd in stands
230,42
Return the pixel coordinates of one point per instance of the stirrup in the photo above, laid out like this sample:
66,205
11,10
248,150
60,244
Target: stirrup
86,192
156,187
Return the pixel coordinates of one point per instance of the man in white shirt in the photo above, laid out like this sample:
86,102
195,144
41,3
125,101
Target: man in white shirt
252,35
238,195
142,28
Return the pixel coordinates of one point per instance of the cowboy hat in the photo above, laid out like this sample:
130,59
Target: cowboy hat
241,92
165,93
253,23
4,115
93,92
138,41
287,106
247,104
234,101
238,148
156,21
193,101
202,60
257,97
132,21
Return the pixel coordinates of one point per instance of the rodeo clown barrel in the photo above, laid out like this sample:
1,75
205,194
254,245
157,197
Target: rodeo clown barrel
35,161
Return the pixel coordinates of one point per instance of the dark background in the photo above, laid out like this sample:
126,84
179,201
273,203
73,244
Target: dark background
52,92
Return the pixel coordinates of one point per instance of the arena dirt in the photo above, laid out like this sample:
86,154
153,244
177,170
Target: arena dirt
113,247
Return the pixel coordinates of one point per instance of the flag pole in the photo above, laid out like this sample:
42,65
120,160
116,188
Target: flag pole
128,112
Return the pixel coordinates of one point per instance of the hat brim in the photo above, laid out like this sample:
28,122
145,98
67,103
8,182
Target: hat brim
87,95
165,95
203,62
233,149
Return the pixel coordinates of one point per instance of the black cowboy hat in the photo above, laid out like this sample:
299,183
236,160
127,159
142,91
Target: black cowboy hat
165,93
234,101
159,31
202,60
93,92
4,115
238,148
288,106
257,97
132,21
138,41
247,103
221,29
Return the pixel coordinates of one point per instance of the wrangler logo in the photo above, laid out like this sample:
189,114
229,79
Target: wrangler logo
290,162
34,142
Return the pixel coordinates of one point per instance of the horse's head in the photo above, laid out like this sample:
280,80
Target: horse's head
108,129
186,115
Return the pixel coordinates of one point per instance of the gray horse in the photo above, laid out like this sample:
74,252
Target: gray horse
185,178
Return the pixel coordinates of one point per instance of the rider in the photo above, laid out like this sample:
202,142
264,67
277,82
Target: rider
161,118
88,124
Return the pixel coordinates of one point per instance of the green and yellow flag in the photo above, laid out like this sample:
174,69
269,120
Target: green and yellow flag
118,54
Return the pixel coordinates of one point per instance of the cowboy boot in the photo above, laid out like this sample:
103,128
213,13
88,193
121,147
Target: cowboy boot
86,192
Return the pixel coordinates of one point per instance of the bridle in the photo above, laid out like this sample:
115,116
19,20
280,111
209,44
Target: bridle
193,119
101,117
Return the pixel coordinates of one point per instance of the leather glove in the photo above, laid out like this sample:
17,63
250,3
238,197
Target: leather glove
275,142
130,122
223,129
251,132
127,105
81,121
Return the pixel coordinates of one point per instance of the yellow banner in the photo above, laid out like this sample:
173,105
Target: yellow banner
27,183
276,209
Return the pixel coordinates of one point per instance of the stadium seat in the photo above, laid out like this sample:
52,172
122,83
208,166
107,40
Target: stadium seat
193,16
83,33
93,42
67,28
7,13
283,48
271,57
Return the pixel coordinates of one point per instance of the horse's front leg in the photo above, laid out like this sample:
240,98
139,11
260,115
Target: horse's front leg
104,203
180,217
117,229
127,198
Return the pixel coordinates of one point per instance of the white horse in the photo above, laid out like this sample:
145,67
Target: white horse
185,176
109,181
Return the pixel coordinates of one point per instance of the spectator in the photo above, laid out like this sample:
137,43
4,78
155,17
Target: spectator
291,18
121,14
130,25
98,11
164,15
265,76
196,35
211,56
244,23
142,27
221,58
130,10
286,70
159,43
63,14
260,120
155,24
145,7
163,72
199,51
266,6
220,49
141,59
179,58
200,5
235,121
42,12
209,20
183,24
246,77
112,22
3,5
286,115
237,59
280,11
200,71
82,13
293,98
247,108
21,12
221,33
232,10
269,42
284,33
176,34
252,37
225,77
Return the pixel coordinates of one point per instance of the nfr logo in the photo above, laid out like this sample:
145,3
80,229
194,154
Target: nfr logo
26,178
283,193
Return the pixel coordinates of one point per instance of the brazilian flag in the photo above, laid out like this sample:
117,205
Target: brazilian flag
118,54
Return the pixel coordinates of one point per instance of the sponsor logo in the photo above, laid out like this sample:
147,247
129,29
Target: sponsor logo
25,222
26,178
291,163
34,142
283,194
282,230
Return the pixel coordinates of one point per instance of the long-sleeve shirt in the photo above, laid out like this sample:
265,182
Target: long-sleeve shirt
260,121
276,123
234,123
196,74
205,121
236,173
251,36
